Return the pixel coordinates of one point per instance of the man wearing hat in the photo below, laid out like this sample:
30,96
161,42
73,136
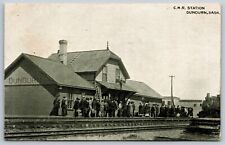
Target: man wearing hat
82,105
56,106
98,107
76,107
64,106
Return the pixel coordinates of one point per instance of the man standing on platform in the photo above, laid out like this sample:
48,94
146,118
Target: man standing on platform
157,110
56,106
98,107
177,111
110,108
102,109
106,108
76,107
64,106
120,110
93,111
82,106
86,107
153,109
141,108
114,107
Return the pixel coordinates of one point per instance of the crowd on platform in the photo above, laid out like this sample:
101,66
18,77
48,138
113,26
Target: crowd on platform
88,107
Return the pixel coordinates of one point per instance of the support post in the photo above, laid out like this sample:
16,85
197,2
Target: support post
172,99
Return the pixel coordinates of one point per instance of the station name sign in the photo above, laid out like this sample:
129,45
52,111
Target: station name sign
20,81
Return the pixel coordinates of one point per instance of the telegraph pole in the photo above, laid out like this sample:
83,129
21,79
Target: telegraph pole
107,47
172,89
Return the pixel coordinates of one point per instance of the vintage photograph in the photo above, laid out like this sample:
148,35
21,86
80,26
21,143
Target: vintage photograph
112,71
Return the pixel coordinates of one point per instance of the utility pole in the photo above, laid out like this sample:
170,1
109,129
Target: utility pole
172,89
107,47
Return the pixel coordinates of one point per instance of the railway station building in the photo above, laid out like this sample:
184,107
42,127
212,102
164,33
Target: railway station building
32,82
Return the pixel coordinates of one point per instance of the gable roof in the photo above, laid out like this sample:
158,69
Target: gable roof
61,74
143,89
90,61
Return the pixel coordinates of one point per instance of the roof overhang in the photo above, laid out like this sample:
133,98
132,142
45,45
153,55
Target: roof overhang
116,86
146,96
76,87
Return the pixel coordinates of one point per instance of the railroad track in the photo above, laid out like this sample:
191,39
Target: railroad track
33,135
29,128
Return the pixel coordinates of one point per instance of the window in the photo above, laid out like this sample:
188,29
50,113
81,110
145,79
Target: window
169,102
70,101
195,105
104,74
117,75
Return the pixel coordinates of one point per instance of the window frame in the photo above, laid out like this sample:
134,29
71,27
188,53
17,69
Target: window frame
104,74
117,74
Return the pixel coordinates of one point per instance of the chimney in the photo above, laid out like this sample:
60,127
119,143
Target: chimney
208,95
63,51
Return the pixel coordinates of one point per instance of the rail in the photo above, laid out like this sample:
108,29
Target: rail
36,127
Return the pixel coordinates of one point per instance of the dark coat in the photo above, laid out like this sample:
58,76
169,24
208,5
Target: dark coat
82,104
141,109
98,106
114,105
63,104
76,104
94,103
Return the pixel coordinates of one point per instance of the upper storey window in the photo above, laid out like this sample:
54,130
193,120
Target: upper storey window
117,75
104,74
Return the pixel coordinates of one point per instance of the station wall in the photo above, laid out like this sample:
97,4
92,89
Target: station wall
28,91
28,101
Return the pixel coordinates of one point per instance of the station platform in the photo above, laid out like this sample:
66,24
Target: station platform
36,127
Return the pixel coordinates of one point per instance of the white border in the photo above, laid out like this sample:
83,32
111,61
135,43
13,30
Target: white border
2,142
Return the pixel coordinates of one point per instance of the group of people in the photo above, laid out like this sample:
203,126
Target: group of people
89,107
56,107
164,111
175,111
148,110
92,107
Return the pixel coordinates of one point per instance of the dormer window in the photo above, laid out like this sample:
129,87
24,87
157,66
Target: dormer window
104,74
117,75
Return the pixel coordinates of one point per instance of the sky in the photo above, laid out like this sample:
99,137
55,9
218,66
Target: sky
154,41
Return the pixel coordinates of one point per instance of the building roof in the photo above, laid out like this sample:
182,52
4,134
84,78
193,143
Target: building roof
90,61
61,74
143,89
190,100
116,86
169,97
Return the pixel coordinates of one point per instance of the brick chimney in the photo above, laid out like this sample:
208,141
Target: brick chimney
63,51
208,95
